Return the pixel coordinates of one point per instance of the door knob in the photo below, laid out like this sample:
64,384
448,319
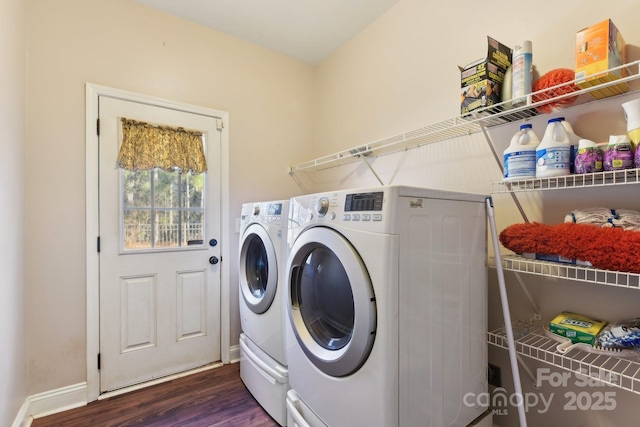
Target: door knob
213,260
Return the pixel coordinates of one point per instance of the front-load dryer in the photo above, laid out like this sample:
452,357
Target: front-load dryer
263,358
387,308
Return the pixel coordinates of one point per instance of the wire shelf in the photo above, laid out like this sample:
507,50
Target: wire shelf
581,273
477,120
611,369
597,179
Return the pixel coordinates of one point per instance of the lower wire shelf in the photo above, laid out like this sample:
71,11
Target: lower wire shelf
607,367
581,273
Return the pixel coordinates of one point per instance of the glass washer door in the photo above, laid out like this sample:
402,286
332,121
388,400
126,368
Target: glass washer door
332,306
258,269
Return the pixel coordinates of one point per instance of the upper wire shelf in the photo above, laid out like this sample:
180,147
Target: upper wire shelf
474,122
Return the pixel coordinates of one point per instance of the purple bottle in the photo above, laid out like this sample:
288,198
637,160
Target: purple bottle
619,154
589,158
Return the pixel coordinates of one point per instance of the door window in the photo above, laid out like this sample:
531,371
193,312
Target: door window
325,299
257,267
161,210
332,307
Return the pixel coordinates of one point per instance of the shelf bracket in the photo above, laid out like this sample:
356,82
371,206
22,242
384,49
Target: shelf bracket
536,310
498,160
366,162
297,179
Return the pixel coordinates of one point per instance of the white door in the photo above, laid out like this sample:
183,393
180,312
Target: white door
159,275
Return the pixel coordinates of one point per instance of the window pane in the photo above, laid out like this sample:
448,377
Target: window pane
325,299
166,189
162,209
137,188
193,190
137,229
193,228
168,224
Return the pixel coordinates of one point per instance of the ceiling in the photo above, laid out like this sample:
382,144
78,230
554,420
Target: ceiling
308,30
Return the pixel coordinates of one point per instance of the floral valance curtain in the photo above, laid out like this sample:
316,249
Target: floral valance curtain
146,146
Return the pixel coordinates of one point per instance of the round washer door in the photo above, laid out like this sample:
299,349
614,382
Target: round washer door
258,269
332,306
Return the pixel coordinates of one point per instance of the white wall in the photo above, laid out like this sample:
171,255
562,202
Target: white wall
122,44
401,74
13,367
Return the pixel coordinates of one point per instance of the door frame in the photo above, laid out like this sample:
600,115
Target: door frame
92,93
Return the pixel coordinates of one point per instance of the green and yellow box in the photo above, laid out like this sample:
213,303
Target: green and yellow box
481,80
600,48
576,327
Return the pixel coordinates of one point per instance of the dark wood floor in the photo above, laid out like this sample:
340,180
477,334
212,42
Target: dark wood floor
216,397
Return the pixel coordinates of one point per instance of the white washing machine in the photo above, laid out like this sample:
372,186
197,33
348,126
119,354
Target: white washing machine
387,308
263,358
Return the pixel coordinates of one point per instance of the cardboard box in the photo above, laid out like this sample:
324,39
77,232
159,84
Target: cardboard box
481,81
599,48
576,327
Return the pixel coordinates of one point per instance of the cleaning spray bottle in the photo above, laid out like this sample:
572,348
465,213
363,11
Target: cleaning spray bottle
553,153
520,155
522,69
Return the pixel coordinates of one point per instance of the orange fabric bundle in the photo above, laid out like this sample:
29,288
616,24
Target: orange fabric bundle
606,248
550,79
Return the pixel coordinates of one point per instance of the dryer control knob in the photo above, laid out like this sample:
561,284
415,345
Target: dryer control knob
322,206
256,210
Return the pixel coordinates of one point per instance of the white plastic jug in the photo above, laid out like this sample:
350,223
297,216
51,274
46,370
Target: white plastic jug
574,141
520,155
632,116
554,152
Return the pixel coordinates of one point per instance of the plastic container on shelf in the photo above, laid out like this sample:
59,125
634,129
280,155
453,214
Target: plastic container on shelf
554,152
520,155
619,154
505,91
522,69
632,117
589,158
574,140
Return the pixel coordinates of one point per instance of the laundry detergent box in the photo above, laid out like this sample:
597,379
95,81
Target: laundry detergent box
481,80
600,48
576,327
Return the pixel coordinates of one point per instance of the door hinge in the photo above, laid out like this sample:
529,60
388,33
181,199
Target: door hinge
98,244
98,361
98,127
219,124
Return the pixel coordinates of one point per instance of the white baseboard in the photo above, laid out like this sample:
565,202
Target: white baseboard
234,353
75,396
23,419
51,402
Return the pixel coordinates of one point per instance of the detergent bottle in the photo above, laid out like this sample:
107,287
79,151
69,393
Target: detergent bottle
575,142
520,155
619,154
589,158
554,151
